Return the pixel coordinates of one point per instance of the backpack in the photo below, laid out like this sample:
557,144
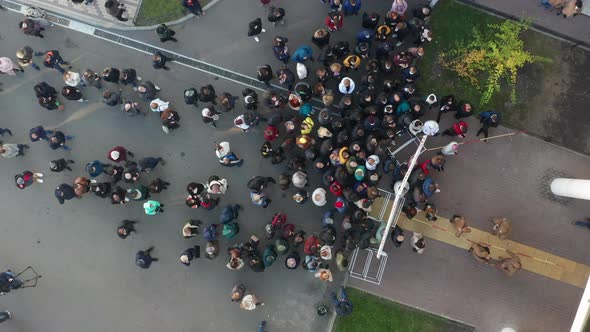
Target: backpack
190,96
44,90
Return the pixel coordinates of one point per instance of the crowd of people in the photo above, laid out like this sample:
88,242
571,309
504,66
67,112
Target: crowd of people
337,123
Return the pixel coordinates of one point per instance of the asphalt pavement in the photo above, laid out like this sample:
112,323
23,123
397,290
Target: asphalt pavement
90,282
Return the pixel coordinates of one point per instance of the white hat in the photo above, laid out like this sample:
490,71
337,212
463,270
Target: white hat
115,155
319,197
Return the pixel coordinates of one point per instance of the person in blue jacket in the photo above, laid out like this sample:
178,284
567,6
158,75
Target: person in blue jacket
488,119
302,54
351,7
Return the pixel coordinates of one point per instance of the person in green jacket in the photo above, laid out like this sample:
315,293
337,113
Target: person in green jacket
152,207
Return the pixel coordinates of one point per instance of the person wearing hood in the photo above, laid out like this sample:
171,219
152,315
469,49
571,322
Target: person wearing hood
302,54
372,162
102,190
351,7
319,197
152,207
299,179
226,156
346,86
292,261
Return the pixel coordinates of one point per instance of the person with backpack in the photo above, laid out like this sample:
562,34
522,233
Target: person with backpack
144,259
165,33
190,97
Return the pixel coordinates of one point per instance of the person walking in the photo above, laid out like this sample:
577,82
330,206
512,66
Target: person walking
64,192
25,57
488,119
58,140
27,178
60,164
209,115
276,15
159,60
343,305
255,28
165,33
193,6
9,150
126,227
351,7
144,259
31,28
52,59
238,292
250,302
418,243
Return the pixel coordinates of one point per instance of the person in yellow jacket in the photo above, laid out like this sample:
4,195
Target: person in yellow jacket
352,62
307,126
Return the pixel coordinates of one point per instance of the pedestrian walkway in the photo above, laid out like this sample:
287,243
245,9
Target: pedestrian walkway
572,28
534,260
94,13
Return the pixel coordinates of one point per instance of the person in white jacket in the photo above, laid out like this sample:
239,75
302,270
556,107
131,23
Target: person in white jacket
346,86
158,105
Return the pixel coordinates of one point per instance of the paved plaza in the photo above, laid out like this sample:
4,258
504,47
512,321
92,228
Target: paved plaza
90,282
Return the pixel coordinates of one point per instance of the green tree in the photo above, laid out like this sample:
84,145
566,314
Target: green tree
493,56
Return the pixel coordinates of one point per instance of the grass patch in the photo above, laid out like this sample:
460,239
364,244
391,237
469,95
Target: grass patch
452,24
160,11
375,314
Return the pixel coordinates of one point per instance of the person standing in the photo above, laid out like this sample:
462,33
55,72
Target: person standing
91,78
165,33
193,6
112,98
25,57
399,7
144,259
351,7
147,90
64,192
58,140
189,254
72,93
119,154
116,10
52,59
458,129
488,119
250,302
209,115
152,207
126,228
334,21
264,74
418,243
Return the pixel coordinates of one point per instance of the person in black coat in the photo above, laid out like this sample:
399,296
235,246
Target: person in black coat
111,75
72,93
189,254
255,28
258,183
264,74
194,6
60,164
397,236
129,76
157,185
64,192
144,259
101,190
159,61
126,228
276,15
147,90
58,140
207,94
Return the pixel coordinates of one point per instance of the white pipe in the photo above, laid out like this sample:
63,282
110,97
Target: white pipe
574,188
582,313
398,195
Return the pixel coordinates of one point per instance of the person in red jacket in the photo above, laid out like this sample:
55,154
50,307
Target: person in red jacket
334,21
312,245
119,154
458,129
271,133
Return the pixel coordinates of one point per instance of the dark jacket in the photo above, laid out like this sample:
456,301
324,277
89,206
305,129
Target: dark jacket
64,192
40,132
60,140
143,259
150,91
